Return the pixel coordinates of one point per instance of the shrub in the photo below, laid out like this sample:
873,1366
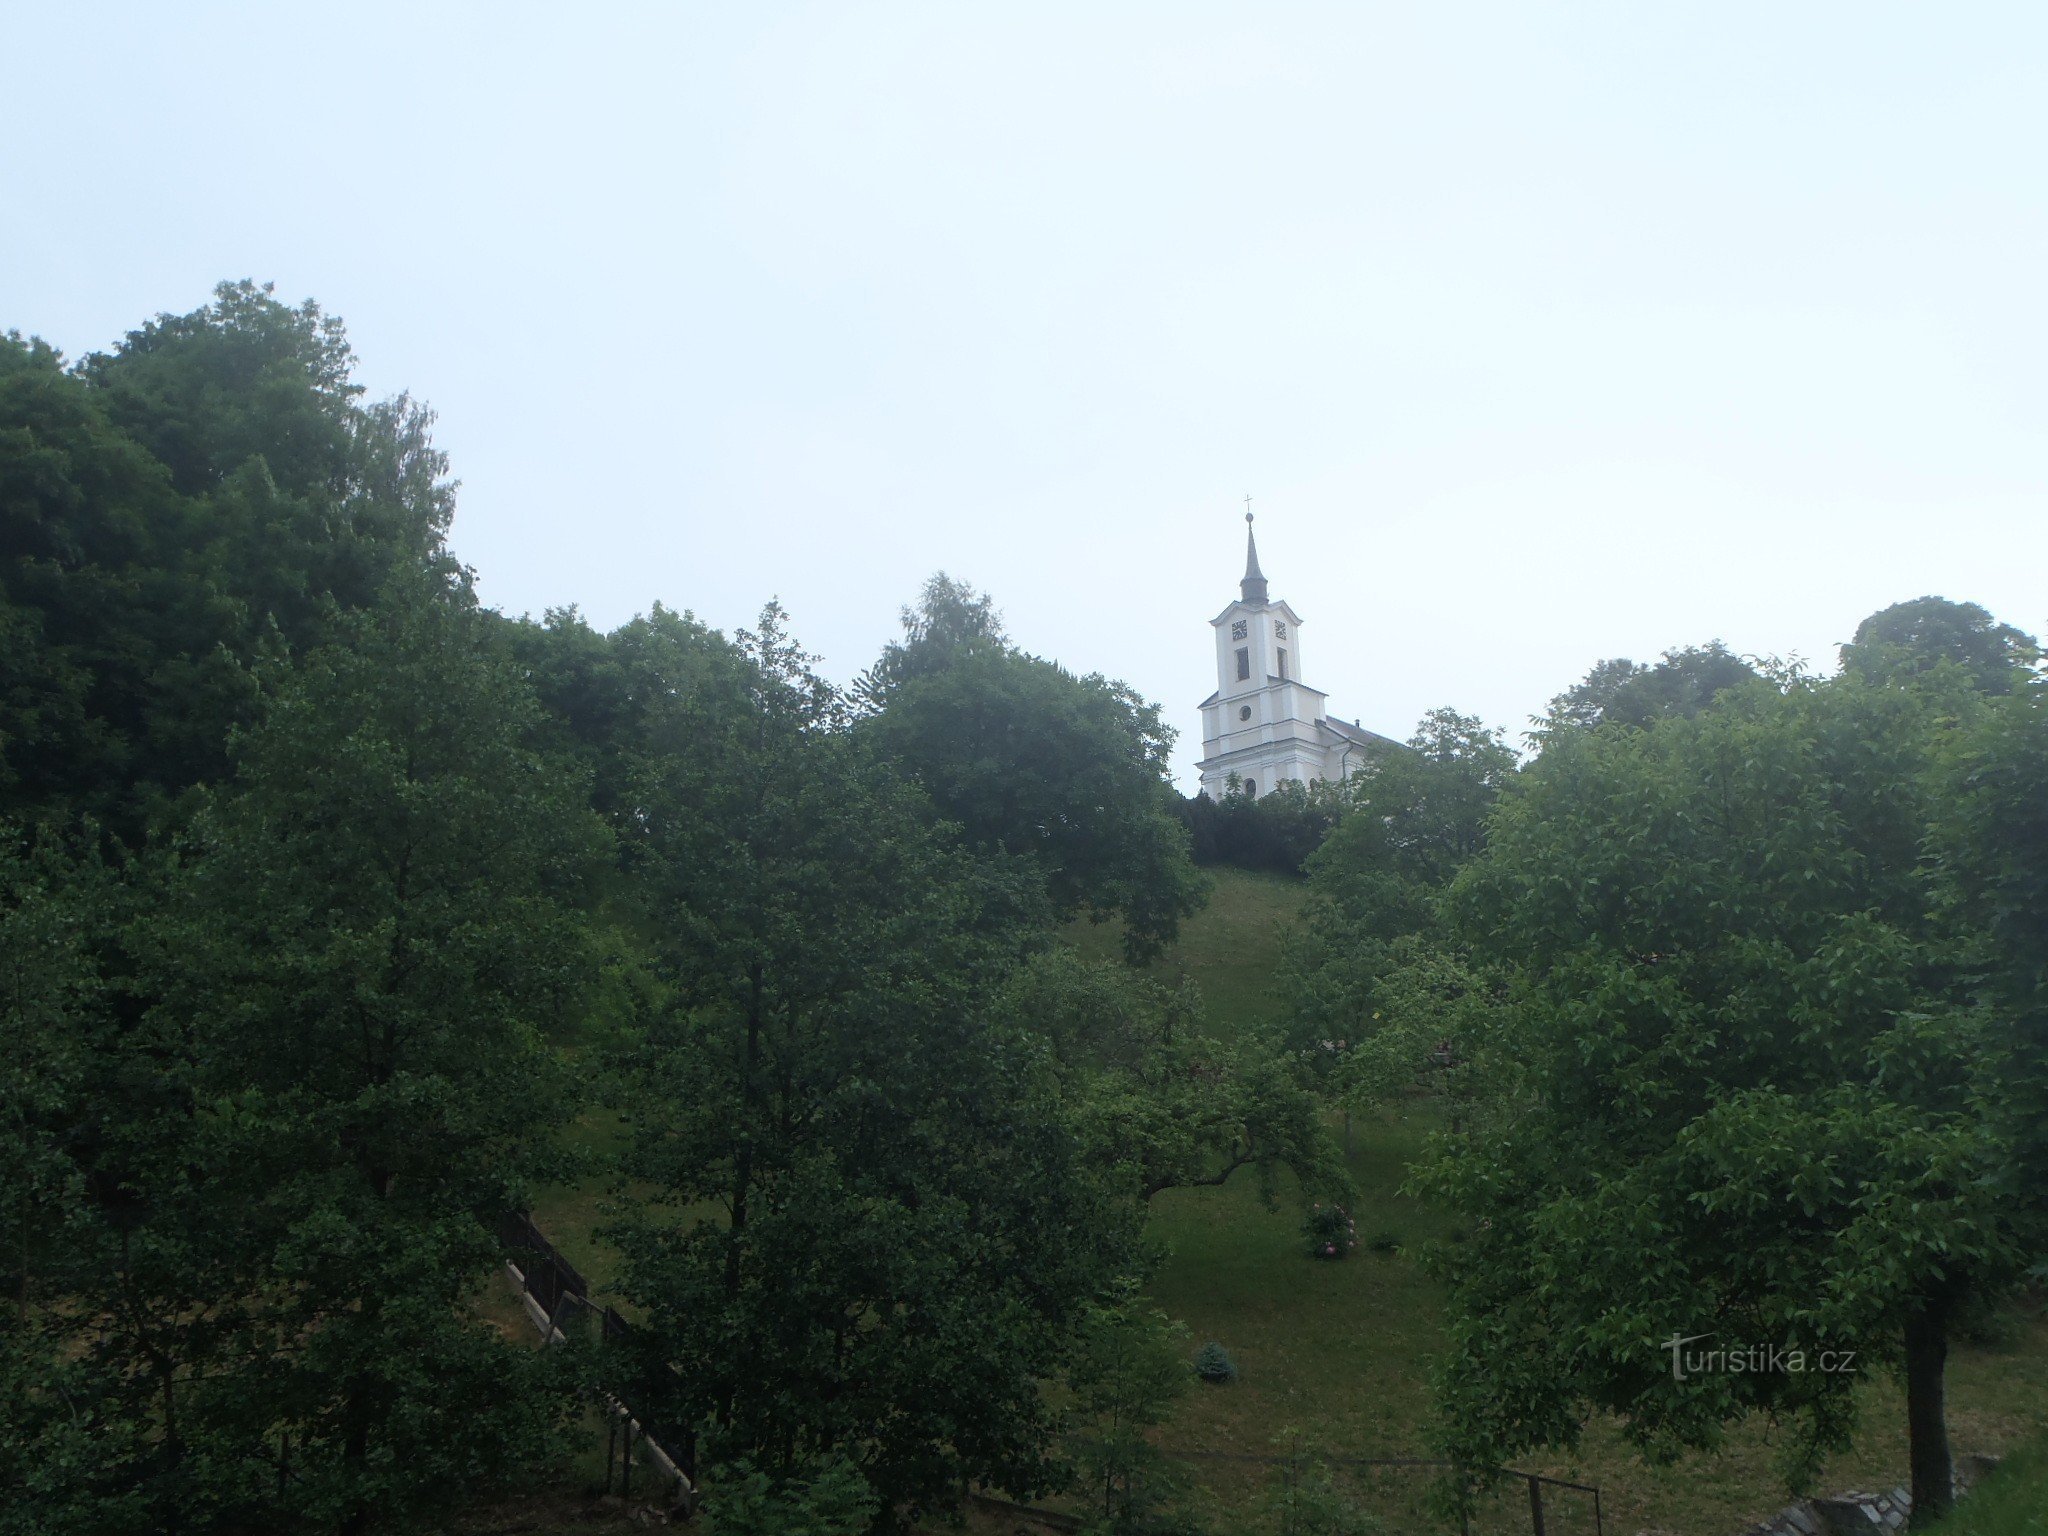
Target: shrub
1388,1241
1214,1365
1328,1232
824,1497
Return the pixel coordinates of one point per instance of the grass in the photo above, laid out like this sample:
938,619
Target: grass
2012,1502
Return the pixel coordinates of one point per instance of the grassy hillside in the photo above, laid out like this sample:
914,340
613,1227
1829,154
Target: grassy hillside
1341,1352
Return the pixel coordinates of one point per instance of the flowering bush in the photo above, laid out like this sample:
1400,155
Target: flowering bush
1328,1232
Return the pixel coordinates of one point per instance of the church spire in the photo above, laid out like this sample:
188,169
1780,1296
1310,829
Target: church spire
1254,584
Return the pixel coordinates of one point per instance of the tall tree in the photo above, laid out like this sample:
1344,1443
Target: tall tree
1068,774
332,1080
213,488
1908,639
870,1232
1750,1097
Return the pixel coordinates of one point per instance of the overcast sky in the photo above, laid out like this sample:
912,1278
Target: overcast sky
1540,333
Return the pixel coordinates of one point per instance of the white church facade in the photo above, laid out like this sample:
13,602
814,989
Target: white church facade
1263,724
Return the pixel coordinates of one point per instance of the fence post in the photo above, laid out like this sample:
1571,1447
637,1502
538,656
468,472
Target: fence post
611,1447
626,1477
1536,1506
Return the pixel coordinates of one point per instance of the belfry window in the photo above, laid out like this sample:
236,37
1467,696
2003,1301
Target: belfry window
1244,662
1283,663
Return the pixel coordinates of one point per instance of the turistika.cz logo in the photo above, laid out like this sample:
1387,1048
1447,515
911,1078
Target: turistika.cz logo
1752,1359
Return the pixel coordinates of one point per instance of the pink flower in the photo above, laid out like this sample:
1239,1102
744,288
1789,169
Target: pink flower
1330,1248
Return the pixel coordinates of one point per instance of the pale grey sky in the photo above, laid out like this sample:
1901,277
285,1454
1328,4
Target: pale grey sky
1541,333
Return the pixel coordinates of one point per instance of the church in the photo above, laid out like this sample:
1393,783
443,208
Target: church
1263,724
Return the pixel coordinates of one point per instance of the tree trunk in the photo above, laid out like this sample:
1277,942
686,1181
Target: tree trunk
1926,1415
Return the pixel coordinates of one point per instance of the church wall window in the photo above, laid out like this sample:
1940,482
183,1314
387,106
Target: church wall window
1244,662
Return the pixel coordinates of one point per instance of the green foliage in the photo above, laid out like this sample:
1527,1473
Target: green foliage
1275,831
1128,1368
1159,1101
1908,640
1328,1232
1065,775
1214,1365
1994,844
211,491
870,1231
827,1497
307,1070
1305,1499
1624,692
1743,1088
1379,997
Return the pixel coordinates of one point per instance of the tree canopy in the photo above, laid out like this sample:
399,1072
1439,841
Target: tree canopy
1624,692
1067,774
1749,1094
1908,639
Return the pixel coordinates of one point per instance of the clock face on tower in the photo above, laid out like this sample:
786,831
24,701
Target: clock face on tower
1239,630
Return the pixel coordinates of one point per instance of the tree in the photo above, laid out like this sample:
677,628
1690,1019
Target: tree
1623,692
1908,639
74,1424
1129,1367
950,617
1994,844
1418,815
211,491
360,967
1276,831
1161,1100
871,1232
1067,774
1751,1099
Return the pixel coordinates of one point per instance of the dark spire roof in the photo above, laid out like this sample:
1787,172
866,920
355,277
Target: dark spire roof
1254,584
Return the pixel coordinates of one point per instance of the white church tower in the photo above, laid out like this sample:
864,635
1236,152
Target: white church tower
1263,724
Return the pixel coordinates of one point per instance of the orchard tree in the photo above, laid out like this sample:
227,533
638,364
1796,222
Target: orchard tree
1129,1367
1751,1097
1159,1097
